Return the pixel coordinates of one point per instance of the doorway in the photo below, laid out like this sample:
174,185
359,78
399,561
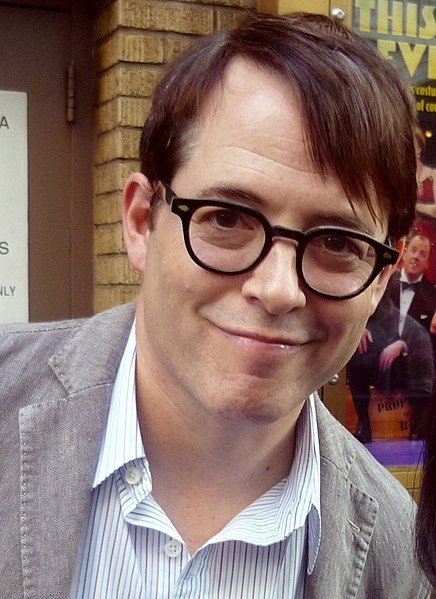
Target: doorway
40,46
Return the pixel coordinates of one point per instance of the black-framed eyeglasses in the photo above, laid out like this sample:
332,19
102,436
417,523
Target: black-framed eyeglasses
231,239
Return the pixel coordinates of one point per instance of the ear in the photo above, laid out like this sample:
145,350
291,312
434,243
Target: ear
137,196
382,280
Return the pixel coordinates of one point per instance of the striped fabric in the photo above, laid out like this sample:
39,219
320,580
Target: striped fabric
131,549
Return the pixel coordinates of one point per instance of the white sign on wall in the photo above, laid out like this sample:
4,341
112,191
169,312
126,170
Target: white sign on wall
14,285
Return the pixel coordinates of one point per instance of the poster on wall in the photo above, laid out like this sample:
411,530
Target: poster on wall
14,294
390,377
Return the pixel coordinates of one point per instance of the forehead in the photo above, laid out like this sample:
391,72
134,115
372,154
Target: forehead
419,243
251,134
248,100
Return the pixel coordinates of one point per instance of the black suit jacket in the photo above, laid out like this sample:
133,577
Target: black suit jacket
423,304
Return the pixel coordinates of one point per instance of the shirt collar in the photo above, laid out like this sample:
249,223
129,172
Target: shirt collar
122,441
292,503
298,497
405,279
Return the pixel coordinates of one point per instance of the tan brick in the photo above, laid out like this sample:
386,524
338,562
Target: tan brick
135,47
134,13
126,112
118,143
108,208
115,270
252,4
229,19
107,296
128,80
176,44
107,21
184,16
122,13
108,239
181,17
111,176
107,116
134,111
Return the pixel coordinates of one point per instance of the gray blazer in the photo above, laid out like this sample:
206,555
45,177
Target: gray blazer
55,386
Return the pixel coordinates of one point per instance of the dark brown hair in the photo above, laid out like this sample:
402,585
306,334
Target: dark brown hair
357,112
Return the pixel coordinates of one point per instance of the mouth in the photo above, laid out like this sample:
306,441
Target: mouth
262,341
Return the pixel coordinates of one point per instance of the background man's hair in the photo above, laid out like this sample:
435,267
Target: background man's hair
417,235
358,114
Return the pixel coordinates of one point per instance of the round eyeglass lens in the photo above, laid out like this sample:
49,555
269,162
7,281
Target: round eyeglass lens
338,264
226,239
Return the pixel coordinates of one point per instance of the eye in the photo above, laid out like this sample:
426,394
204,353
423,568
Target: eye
225,219
339,244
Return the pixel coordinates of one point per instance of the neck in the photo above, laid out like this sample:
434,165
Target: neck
204,474
208,459
209,448
411,278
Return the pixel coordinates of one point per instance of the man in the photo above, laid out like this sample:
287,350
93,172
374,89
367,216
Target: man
409,289
414,295
184,454
392,363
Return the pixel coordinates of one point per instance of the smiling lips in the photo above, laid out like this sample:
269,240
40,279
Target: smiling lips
263,341
414,264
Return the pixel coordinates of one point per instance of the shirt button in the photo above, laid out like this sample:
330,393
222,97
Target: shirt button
133,476
173,548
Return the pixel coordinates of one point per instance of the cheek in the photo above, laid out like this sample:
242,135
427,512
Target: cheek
173,282
346,323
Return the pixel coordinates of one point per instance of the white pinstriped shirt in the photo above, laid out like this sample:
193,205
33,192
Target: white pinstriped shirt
131,550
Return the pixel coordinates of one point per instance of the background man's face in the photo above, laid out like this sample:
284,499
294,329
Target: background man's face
249,346
416,256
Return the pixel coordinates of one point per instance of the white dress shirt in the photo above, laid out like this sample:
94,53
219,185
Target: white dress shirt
131,549
406,298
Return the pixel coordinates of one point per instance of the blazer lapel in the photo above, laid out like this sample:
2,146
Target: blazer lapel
60,440
394,289
348,516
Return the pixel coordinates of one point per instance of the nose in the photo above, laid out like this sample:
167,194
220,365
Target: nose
274,282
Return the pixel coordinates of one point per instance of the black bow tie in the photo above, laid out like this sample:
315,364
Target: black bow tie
406,285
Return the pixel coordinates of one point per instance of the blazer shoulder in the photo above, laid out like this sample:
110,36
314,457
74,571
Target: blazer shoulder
367,517
31,339
356,465
79,352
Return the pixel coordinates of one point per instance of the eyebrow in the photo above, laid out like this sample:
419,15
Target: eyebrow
231,193
239,195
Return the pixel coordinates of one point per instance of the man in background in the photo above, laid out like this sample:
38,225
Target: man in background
410,290
394,364
415,296
177,447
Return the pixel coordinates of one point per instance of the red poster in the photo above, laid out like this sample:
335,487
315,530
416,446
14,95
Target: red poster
390,377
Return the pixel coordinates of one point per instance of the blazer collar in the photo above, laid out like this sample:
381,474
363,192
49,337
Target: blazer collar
93,354
60,439
348,515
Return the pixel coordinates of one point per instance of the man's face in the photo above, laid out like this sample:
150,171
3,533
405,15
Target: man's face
415,257
254,345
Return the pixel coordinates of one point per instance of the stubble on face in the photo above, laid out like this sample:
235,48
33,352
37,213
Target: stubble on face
213,342
416,257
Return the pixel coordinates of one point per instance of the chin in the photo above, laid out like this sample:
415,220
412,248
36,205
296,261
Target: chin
261,406
263,414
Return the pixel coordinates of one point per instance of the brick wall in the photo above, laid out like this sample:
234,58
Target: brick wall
134,40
